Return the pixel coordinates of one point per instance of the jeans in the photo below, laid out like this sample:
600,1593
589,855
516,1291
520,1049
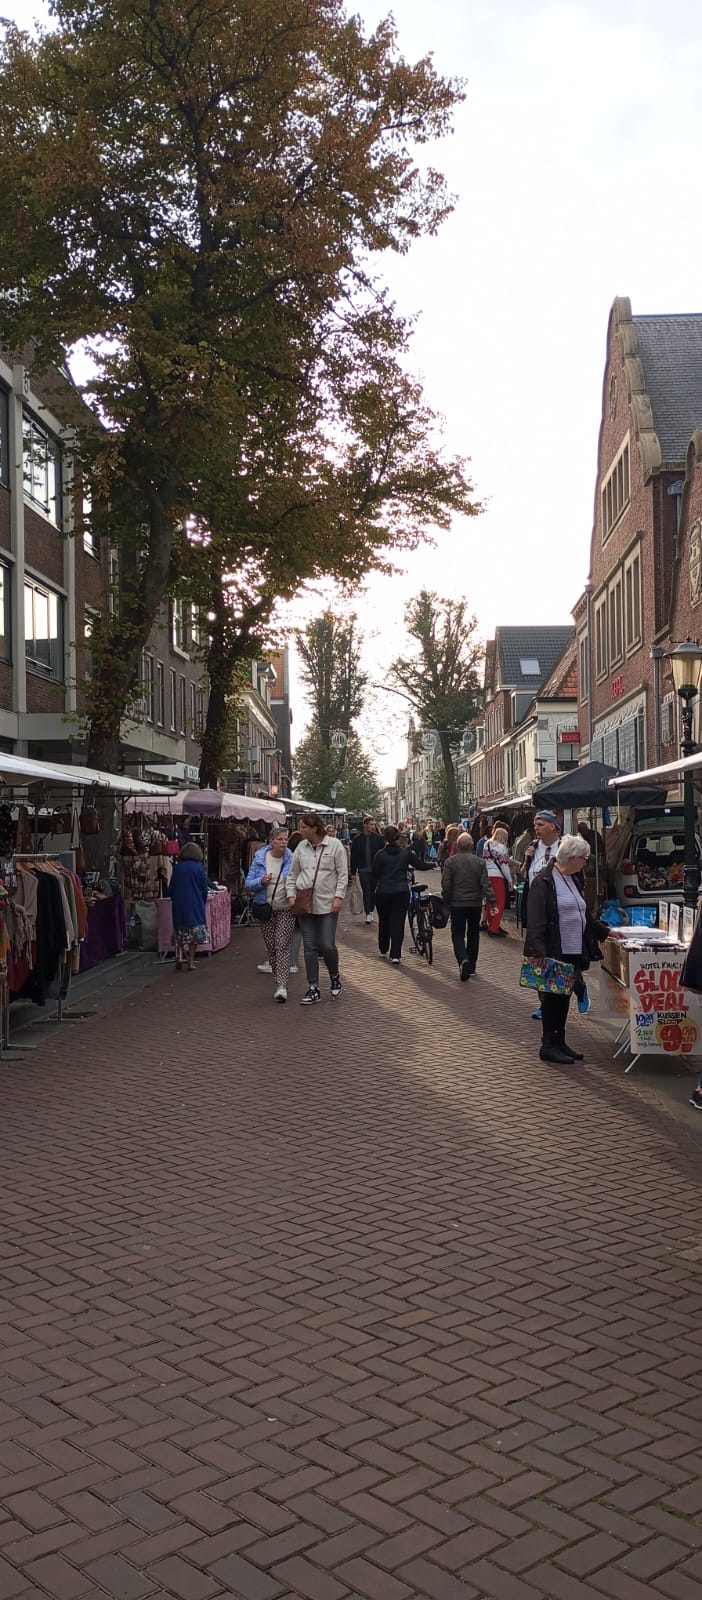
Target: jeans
366,882
392,911
465,934
319,939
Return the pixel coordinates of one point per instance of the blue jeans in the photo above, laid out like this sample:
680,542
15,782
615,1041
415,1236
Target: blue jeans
319,939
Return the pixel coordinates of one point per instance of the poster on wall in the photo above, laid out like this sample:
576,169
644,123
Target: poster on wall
662,1021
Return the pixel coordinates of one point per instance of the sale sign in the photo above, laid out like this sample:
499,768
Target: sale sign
660,1020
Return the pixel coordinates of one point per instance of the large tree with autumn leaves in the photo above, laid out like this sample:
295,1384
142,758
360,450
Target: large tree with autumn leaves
194,193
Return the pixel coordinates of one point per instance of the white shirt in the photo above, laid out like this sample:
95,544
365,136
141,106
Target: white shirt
541,857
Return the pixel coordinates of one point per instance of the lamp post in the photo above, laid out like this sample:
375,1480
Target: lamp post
686,667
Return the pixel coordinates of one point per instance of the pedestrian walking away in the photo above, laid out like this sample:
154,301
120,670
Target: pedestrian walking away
267,877
390,872
496,858
188,891
465,883
364,849
319,878
561,928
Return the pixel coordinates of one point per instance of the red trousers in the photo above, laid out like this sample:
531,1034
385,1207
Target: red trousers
494,916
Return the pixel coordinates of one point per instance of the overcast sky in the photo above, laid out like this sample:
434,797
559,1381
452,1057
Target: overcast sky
575,161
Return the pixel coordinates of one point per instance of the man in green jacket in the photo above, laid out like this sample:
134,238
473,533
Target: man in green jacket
465,885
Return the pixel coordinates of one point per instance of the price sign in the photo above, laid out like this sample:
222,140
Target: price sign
663,915
660,1019
688,924
674,922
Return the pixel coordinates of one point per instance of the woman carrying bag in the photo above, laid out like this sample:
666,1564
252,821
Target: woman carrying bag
267,877
562,939
389,872
496,858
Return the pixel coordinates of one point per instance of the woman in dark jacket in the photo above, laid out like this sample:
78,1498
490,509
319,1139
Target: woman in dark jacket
559,926
188,892
390,871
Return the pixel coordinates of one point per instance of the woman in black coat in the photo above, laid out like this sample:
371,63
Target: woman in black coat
559,926
390,873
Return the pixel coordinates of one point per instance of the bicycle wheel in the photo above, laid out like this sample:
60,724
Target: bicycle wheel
428,939
415,923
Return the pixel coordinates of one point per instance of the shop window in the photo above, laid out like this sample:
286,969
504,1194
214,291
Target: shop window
41,469
5,613
43,630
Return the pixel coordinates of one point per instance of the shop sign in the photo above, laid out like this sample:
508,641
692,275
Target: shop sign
569,735
617,687
660,1020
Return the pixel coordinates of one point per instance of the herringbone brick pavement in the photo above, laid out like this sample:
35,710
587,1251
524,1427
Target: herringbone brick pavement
357,1301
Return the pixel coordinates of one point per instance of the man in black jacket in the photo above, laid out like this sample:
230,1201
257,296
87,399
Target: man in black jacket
363,851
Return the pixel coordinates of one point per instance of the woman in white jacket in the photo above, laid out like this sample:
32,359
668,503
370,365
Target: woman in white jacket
496,858
320,863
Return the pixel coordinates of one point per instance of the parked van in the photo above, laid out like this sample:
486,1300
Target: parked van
653,864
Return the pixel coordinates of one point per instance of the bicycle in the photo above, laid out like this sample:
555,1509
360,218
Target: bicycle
420,922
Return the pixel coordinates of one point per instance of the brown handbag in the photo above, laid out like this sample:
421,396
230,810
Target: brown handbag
302,904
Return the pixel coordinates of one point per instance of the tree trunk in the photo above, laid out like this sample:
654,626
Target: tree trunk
214,738
451,785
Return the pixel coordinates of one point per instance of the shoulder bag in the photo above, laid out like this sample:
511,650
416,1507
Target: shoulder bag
302,904
263,911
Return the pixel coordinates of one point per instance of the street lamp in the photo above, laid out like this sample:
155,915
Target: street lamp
686,667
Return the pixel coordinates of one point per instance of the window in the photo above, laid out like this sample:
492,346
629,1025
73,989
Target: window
43,630
148,677
632,601
601,637
174,701
5,613
177,625
89,622
668,719
614,494
185,626
4,438
113,583
616,630
90,539
159,706
530,668
182,704
41,468
584,666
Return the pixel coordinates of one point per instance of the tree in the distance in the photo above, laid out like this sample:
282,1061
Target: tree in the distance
440,678
318,772
336,772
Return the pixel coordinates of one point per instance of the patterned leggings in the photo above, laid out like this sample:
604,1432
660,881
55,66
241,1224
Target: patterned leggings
277,934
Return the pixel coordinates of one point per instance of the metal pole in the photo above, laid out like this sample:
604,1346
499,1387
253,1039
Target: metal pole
692,872
657,654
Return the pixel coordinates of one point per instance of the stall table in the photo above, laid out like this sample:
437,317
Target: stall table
106,933
219,923
640,983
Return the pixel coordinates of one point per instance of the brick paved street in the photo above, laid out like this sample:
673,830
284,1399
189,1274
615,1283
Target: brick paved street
357,1301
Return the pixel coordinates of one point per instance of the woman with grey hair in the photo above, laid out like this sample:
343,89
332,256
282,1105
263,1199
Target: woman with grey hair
267,877
559,926
188,893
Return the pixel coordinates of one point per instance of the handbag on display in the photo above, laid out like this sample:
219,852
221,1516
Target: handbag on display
89,821
303,903
547,975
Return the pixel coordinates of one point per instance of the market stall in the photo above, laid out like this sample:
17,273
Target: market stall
640,988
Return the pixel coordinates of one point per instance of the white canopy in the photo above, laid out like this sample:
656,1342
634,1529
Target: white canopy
671,769
16,771
216,803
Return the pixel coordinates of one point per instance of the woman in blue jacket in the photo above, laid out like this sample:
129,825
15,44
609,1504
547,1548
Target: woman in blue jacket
188,892
266,877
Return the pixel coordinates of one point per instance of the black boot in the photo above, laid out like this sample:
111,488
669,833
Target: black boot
573,1054
551,1051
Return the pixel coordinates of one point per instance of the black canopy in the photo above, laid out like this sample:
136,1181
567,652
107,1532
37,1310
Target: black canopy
588,786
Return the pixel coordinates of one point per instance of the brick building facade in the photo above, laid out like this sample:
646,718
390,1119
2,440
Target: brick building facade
647,503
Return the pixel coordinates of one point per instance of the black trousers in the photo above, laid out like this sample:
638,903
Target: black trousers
554,1007
366,882
465,934
392,911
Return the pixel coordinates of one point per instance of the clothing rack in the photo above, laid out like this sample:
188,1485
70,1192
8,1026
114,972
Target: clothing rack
62,1014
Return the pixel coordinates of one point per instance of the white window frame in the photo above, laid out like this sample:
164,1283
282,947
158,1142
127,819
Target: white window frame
38,444
633,609
34,663
584,666
615,618
600,624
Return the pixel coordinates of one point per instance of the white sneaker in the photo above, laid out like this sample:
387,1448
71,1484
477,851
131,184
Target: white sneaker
281,993
264,966
294,969
370,917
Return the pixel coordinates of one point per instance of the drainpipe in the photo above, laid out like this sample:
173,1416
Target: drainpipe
657,654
